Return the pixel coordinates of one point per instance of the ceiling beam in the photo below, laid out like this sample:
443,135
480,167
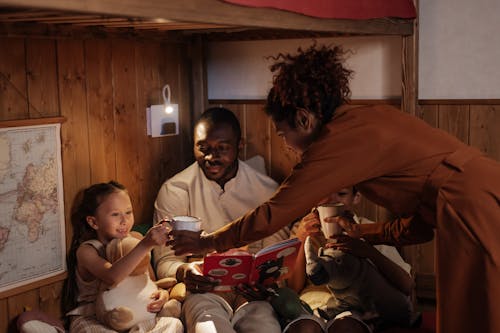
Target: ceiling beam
218,12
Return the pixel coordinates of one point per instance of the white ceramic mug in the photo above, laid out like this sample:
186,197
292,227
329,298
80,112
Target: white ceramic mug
184,222
328,210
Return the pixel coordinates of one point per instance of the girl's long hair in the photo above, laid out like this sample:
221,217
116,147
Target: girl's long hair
85,204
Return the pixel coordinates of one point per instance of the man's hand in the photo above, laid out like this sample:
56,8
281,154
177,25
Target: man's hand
195,282
254,292
186,242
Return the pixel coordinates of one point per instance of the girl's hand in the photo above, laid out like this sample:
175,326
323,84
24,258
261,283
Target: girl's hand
157,235
308,225
160,297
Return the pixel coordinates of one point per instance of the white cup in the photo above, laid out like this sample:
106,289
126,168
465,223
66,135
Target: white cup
183,222
328,210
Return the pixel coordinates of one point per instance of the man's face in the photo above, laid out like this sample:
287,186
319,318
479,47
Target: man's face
216,149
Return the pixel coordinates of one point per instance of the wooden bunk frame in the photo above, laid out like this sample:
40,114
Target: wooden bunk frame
217,12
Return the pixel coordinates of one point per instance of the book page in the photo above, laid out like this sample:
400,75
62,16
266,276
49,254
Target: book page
275,262
229,268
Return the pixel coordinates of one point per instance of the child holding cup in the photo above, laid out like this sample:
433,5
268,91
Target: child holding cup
385,258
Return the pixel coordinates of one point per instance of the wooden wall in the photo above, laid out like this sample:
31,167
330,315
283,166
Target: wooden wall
476,123
101,87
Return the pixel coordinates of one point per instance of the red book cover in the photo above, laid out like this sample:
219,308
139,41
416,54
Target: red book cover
271,264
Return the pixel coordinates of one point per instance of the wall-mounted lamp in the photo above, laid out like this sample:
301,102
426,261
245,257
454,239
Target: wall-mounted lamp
163,120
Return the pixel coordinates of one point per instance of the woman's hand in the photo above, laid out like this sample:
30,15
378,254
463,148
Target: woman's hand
190,242
354,246
160,297
351,228
308,225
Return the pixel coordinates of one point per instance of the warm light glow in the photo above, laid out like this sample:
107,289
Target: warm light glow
169,109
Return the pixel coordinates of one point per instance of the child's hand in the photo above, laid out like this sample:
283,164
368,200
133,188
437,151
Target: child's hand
157,235
308,225
160,297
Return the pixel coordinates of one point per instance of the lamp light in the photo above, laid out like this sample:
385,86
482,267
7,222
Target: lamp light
163,120
166,99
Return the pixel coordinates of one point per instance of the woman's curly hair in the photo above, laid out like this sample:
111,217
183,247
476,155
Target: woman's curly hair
314,79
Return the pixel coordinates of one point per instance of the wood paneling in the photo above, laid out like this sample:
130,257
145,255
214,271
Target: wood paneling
485,129
101,88
74,132
454,119
14,101
42,78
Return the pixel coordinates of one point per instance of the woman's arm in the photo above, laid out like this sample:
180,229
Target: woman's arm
401,231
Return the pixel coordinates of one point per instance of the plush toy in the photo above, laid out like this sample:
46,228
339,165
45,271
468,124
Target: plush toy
356,285
124,305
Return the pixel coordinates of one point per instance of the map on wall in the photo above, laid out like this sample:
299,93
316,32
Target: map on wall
32,238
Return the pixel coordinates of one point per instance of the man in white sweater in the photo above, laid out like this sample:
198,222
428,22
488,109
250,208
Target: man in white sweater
217,188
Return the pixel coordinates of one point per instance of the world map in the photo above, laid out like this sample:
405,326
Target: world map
32,234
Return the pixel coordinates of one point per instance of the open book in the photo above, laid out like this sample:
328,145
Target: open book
269,265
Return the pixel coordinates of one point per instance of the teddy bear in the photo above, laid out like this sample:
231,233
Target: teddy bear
124,305
356,284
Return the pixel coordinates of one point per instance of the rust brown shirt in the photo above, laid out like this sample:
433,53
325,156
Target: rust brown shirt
387,153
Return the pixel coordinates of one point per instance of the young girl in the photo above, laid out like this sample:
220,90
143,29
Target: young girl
105,212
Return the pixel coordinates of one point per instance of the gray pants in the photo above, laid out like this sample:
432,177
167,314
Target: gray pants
210,313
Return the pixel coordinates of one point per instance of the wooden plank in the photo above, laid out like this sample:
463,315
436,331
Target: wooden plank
463,101
4,315
485,129
99,91
42,78
258,129
282,158
454,119
22,302
149,57
430,114
353,102
409,61
198,55
421,256
218,12
31,122
127,127
186,107
74,133
13,86
50,299
179,66
367,209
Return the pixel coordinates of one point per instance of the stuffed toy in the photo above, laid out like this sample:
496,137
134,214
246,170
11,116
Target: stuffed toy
357,285
124,305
